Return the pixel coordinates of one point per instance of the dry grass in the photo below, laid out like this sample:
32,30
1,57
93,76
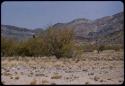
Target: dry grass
56,76
86,83
58,71
96,78
17,77
44,81
11,77
109,79
22,73
101,80
7,74
33,82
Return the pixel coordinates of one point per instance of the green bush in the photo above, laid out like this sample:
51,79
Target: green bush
59,42
7,47
53,41
22,49
31,47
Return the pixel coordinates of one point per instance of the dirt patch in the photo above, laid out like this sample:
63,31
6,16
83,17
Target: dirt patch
90,68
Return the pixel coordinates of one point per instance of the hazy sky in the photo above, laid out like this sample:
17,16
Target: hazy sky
37,14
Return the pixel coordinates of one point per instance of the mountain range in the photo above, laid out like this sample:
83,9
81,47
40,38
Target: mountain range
18,33
106,30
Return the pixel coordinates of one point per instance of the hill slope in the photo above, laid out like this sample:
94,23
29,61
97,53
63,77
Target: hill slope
18,33
108,30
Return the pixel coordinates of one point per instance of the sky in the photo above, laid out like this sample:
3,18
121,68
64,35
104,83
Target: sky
40,14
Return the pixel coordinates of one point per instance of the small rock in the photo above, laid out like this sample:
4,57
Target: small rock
86,83
96,78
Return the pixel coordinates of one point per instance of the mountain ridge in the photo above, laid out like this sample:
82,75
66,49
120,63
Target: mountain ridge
99,28
107,28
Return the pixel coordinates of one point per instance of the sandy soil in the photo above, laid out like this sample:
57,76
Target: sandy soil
91,68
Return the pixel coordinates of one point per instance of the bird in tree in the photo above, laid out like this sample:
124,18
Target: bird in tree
33,36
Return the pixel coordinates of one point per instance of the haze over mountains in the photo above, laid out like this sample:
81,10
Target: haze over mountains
18,33
108,30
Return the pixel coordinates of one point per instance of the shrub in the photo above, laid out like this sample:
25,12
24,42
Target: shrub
22,49
31,47
7,47
53,41
100,48
33,82
88,47
44,81
113,47
56,76
59,42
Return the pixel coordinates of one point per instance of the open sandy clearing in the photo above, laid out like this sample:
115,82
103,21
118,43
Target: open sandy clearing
65,71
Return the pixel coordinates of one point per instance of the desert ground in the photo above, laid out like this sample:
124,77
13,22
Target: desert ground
106,67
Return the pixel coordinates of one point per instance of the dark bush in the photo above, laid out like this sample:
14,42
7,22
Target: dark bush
7,47
100,48
53,41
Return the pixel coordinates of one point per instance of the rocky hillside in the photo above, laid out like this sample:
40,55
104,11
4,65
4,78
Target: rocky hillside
108,30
